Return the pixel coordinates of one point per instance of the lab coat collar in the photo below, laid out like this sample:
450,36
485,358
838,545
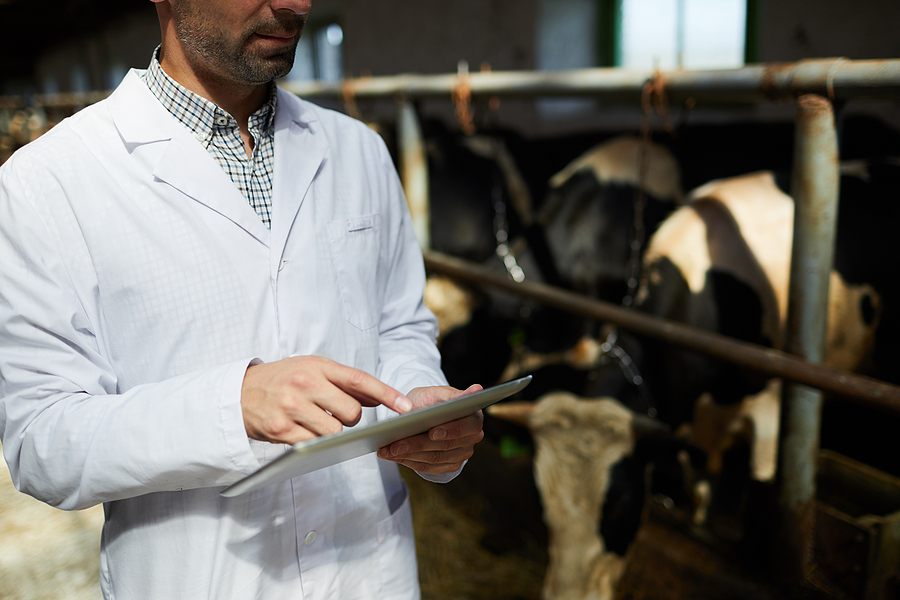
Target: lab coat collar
184,164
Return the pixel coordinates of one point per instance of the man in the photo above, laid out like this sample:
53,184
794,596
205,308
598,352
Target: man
195,272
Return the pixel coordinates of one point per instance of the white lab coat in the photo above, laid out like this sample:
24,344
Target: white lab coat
137,284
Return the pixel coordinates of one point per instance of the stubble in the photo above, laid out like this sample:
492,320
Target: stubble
233,56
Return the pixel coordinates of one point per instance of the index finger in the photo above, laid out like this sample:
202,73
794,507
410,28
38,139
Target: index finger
366,389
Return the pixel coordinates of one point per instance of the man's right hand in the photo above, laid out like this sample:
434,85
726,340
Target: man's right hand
303,397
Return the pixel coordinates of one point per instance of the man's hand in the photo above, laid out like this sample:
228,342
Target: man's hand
303,397
445,447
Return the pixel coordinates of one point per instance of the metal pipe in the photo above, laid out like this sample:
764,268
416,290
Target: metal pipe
414,169
815,191
871,392
836,78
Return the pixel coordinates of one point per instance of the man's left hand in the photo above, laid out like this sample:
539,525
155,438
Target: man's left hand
444,448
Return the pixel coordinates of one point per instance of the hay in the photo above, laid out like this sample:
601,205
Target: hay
454,522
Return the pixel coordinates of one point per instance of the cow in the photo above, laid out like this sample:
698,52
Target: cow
579,442
722,263
47,553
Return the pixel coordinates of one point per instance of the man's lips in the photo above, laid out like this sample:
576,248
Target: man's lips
278,37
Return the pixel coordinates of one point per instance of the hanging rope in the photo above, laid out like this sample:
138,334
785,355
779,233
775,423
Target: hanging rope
653,97
462,99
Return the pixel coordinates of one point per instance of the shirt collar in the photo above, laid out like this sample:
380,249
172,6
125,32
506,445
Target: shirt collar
202,117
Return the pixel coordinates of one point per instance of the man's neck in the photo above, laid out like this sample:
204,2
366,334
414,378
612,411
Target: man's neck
238,100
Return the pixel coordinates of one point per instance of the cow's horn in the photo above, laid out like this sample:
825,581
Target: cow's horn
644,426
516,412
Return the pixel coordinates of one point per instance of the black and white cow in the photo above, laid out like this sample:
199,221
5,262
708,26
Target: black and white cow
582,447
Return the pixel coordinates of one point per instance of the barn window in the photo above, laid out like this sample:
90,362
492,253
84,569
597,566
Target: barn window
319,54
566,39
689,34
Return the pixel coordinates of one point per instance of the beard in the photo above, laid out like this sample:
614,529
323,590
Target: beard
232,57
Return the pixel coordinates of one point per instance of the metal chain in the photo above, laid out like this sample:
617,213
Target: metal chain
652,94
501,233
610,350
640,197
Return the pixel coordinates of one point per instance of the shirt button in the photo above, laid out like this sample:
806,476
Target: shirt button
220,120
201,137
310,538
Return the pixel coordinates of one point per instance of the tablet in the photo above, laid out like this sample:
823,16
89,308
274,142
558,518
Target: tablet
311,455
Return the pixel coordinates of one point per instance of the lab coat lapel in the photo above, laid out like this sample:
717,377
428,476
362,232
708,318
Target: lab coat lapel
299,150
188,167
184,164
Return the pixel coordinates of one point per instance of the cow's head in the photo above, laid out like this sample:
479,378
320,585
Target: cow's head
579,443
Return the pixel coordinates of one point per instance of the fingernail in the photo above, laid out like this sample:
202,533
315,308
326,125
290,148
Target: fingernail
438,434
403,404
401,449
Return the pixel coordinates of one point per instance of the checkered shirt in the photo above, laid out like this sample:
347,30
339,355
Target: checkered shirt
218,132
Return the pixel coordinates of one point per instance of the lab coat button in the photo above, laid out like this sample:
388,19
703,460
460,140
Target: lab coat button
310,538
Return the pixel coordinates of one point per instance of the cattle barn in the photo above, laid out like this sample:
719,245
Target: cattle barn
676,215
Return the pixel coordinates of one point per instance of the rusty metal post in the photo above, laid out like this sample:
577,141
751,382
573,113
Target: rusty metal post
414,169
815,191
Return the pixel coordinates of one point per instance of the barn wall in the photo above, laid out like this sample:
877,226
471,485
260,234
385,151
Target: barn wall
796,29
412,36
383,38
399,36
792,30
127,42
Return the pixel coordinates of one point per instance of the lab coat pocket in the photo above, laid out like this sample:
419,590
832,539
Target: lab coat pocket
397,553
355,251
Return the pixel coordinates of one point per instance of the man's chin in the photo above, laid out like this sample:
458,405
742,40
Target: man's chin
279,61
264,70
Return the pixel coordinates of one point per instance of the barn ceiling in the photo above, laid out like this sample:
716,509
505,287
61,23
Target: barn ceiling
29,28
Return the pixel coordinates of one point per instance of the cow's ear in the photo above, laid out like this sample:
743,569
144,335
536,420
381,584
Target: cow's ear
516,412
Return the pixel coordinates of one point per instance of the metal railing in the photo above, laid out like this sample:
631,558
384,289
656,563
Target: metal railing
836,78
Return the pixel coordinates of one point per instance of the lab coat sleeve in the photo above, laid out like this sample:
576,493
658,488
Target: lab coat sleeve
70,436
408,353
